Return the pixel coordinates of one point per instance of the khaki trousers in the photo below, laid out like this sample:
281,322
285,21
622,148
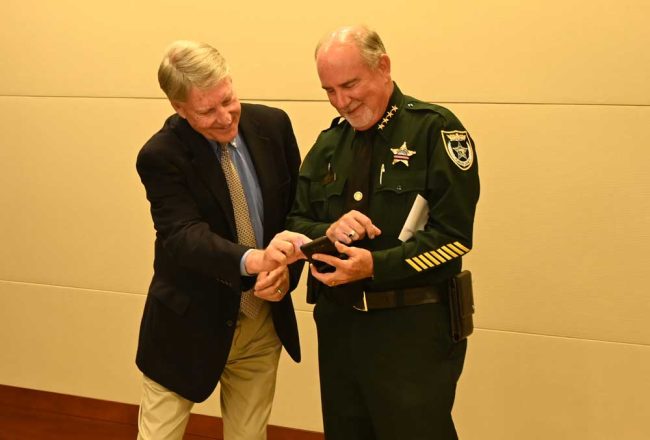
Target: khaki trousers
247,388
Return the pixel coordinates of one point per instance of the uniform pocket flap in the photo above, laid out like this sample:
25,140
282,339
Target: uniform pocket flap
399,181
319,191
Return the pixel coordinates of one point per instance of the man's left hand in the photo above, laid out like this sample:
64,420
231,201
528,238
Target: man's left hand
273,285
357,266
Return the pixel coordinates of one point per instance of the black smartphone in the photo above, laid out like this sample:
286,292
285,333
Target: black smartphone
321,245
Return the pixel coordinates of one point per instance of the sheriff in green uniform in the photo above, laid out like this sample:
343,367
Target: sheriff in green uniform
394,183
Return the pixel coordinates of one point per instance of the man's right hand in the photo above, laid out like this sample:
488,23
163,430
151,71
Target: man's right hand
283,250
352,226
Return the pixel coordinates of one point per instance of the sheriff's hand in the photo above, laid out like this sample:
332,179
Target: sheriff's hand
352,226
357,266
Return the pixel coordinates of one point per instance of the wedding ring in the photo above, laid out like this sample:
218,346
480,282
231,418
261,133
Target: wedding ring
352,233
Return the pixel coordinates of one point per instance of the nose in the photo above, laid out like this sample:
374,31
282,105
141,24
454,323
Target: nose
223,116
340,99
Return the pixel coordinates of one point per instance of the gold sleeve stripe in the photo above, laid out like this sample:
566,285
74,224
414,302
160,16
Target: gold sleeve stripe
457,250
447,257
427,260
432,258
422,265
413,265
461,246
438,256
449,251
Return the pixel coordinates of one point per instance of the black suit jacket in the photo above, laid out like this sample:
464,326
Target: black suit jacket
193,302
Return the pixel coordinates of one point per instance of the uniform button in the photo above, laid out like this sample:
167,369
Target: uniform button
230,323
398,187
358,196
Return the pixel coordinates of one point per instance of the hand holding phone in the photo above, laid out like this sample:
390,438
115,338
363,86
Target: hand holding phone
321,245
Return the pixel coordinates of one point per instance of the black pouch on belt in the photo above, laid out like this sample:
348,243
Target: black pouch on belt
461,305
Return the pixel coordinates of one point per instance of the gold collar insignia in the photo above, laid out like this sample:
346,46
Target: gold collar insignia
389,114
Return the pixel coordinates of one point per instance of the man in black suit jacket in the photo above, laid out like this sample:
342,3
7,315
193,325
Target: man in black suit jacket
193,333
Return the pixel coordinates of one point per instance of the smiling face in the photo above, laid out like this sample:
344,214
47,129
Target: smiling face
358,92
214,111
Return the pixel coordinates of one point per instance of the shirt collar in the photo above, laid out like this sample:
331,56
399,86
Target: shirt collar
385,125
217,145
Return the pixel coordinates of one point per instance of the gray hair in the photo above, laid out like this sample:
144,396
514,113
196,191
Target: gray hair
367,41
187,64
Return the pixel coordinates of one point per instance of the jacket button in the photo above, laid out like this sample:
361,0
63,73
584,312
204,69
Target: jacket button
230,323
398,187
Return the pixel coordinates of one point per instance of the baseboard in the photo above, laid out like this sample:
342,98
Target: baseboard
124,413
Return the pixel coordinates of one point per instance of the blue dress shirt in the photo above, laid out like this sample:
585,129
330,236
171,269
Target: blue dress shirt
243,163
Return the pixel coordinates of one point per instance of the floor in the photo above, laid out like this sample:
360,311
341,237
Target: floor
38,415
27,424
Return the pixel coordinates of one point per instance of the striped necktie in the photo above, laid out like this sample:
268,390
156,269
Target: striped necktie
250,304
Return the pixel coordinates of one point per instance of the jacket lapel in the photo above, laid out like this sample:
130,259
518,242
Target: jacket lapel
207,167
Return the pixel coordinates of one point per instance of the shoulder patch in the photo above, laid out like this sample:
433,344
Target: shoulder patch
459,148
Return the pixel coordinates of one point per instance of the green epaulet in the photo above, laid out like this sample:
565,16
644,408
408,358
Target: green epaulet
417,105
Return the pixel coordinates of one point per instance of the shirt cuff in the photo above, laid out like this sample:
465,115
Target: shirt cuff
242,264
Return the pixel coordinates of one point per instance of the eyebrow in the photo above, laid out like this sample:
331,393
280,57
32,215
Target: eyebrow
345,84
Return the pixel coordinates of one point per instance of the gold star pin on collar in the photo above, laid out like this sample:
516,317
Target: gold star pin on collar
389,114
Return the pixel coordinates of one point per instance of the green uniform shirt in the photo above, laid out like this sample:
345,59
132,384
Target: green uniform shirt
419,149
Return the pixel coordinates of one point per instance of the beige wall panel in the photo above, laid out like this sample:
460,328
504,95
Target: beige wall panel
83,342
498,51
78,214
73,341
308,120
518,386
561,234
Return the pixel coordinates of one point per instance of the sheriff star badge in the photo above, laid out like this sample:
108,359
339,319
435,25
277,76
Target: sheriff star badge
402,154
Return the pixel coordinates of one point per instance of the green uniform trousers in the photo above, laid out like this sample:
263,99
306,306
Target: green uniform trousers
387,374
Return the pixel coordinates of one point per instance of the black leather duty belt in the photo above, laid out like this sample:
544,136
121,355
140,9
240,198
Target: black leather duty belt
388,299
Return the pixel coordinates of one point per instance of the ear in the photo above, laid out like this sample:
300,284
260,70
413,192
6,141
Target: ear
180,109
384,65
